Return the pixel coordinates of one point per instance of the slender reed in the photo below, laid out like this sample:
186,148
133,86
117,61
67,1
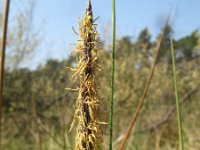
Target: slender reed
2,58
113,72
181,145
89,135
136,114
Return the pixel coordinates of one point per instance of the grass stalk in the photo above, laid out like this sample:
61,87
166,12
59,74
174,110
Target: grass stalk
181,145
2,58
140,104
113,72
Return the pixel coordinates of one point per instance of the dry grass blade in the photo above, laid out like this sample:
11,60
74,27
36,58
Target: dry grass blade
2,57
135,116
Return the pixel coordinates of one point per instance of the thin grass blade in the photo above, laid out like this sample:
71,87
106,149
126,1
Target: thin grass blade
113,72
181,146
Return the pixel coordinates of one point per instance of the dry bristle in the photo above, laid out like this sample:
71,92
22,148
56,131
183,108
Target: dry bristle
88,130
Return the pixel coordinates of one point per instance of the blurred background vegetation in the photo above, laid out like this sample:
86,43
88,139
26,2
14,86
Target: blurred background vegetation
37,110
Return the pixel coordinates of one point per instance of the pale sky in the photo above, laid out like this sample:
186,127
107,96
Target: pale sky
58,17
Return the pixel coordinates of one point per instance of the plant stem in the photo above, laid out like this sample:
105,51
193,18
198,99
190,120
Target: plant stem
113,71
2,58
141,101
177,98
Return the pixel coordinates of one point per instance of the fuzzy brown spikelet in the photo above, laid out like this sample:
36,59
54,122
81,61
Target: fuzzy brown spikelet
88,131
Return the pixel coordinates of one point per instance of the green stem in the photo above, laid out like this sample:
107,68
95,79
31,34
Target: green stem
177,98
113,71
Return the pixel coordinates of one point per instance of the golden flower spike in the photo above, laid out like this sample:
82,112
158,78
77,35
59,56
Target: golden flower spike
89,135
